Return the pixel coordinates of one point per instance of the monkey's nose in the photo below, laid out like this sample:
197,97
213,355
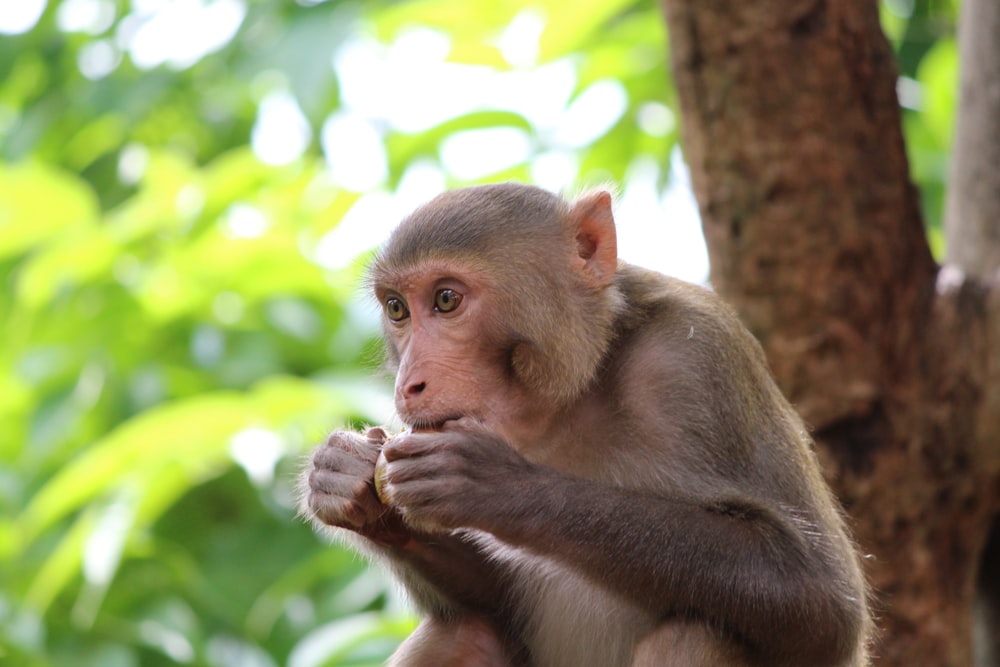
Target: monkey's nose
410,389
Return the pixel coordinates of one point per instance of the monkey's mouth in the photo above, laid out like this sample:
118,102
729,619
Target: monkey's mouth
432,424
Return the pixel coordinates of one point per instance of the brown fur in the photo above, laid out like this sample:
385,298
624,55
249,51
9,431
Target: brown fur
603,472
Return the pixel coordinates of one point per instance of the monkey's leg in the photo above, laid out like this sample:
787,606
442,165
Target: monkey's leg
681,644
470,641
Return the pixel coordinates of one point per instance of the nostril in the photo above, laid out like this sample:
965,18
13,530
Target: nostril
416,388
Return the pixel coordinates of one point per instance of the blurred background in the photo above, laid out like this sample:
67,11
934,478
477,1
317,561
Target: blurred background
188,192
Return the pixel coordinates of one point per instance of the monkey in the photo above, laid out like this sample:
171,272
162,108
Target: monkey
597,466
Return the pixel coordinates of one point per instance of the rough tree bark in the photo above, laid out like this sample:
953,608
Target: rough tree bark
792,133
972,228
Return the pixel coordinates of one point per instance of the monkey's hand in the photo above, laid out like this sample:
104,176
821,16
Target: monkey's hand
339,488
454,478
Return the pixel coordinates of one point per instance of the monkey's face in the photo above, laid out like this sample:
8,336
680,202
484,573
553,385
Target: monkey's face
442,334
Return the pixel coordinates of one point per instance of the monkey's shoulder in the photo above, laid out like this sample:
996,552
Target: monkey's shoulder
684,337
674,307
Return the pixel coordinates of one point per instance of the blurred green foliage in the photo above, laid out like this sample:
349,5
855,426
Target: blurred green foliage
174,337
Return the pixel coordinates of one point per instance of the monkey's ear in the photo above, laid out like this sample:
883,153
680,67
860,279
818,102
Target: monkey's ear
596,239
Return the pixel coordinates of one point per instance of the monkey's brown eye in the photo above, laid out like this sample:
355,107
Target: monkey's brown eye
396,310
447,300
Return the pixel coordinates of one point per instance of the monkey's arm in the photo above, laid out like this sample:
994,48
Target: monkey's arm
448,571
779,580
733,561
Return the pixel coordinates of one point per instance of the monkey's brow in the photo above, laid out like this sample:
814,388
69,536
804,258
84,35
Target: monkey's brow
426,271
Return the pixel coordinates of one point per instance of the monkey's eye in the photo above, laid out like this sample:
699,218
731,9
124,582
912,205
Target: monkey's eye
446,300
396,310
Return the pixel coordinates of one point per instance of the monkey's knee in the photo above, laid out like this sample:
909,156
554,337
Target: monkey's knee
465,642
680,644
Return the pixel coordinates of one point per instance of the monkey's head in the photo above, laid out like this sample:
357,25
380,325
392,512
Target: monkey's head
496,299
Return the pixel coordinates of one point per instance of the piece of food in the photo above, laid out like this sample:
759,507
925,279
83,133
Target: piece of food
380,466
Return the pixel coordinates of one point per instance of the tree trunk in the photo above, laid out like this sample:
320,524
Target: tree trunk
792,133
972,228
972,225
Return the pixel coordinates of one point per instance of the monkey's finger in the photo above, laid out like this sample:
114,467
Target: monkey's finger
351,441
352,459
401,471
377,435
341,512
448,470
343,439
342,500
411,445
336,483
423,504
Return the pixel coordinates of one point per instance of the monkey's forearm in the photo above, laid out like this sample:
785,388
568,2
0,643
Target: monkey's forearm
448,569
451,564
458,569
732,562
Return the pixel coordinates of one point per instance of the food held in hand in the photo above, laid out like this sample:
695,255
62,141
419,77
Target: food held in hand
380,466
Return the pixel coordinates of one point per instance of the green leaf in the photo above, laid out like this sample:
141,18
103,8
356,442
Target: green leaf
82,255
479,21
333,643
192,433
38,203
573,25
63,564
938,73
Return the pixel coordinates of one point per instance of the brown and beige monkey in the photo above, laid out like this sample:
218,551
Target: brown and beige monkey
600,471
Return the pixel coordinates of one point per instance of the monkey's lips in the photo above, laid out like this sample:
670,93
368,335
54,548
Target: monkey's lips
429,425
